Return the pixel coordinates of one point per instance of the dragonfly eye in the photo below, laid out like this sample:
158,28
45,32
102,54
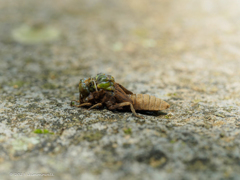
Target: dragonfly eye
83,88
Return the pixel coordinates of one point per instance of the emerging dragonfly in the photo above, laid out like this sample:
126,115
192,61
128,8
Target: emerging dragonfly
104,91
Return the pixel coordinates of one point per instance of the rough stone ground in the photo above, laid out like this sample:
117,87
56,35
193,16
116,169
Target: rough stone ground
185,52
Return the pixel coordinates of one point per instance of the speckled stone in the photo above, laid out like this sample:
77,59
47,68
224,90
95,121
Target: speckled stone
184,52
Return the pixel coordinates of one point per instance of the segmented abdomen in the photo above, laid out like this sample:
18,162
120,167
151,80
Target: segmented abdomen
147,102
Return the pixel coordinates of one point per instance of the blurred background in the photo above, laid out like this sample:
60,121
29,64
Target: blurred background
160,43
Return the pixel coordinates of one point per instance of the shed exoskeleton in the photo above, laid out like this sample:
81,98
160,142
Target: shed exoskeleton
104,91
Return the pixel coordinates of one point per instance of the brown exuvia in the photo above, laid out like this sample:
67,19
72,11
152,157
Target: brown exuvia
118,98
148,103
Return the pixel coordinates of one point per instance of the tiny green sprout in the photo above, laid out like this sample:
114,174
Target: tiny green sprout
127,131
44,131
168,116
172,94
38,131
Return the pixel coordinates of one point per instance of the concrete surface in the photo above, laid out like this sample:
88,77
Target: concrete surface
185,52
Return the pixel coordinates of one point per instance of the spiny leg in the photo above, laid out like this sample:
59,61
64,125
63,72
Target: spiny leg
125,104
95,105
75,101
84,104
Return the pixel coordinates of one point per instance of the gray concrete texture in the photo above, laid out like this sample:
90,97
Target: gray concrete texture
185,52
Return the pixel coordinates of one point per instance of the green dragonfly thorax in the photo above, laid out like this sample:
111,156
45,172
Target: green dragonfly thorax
105,82
101,81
